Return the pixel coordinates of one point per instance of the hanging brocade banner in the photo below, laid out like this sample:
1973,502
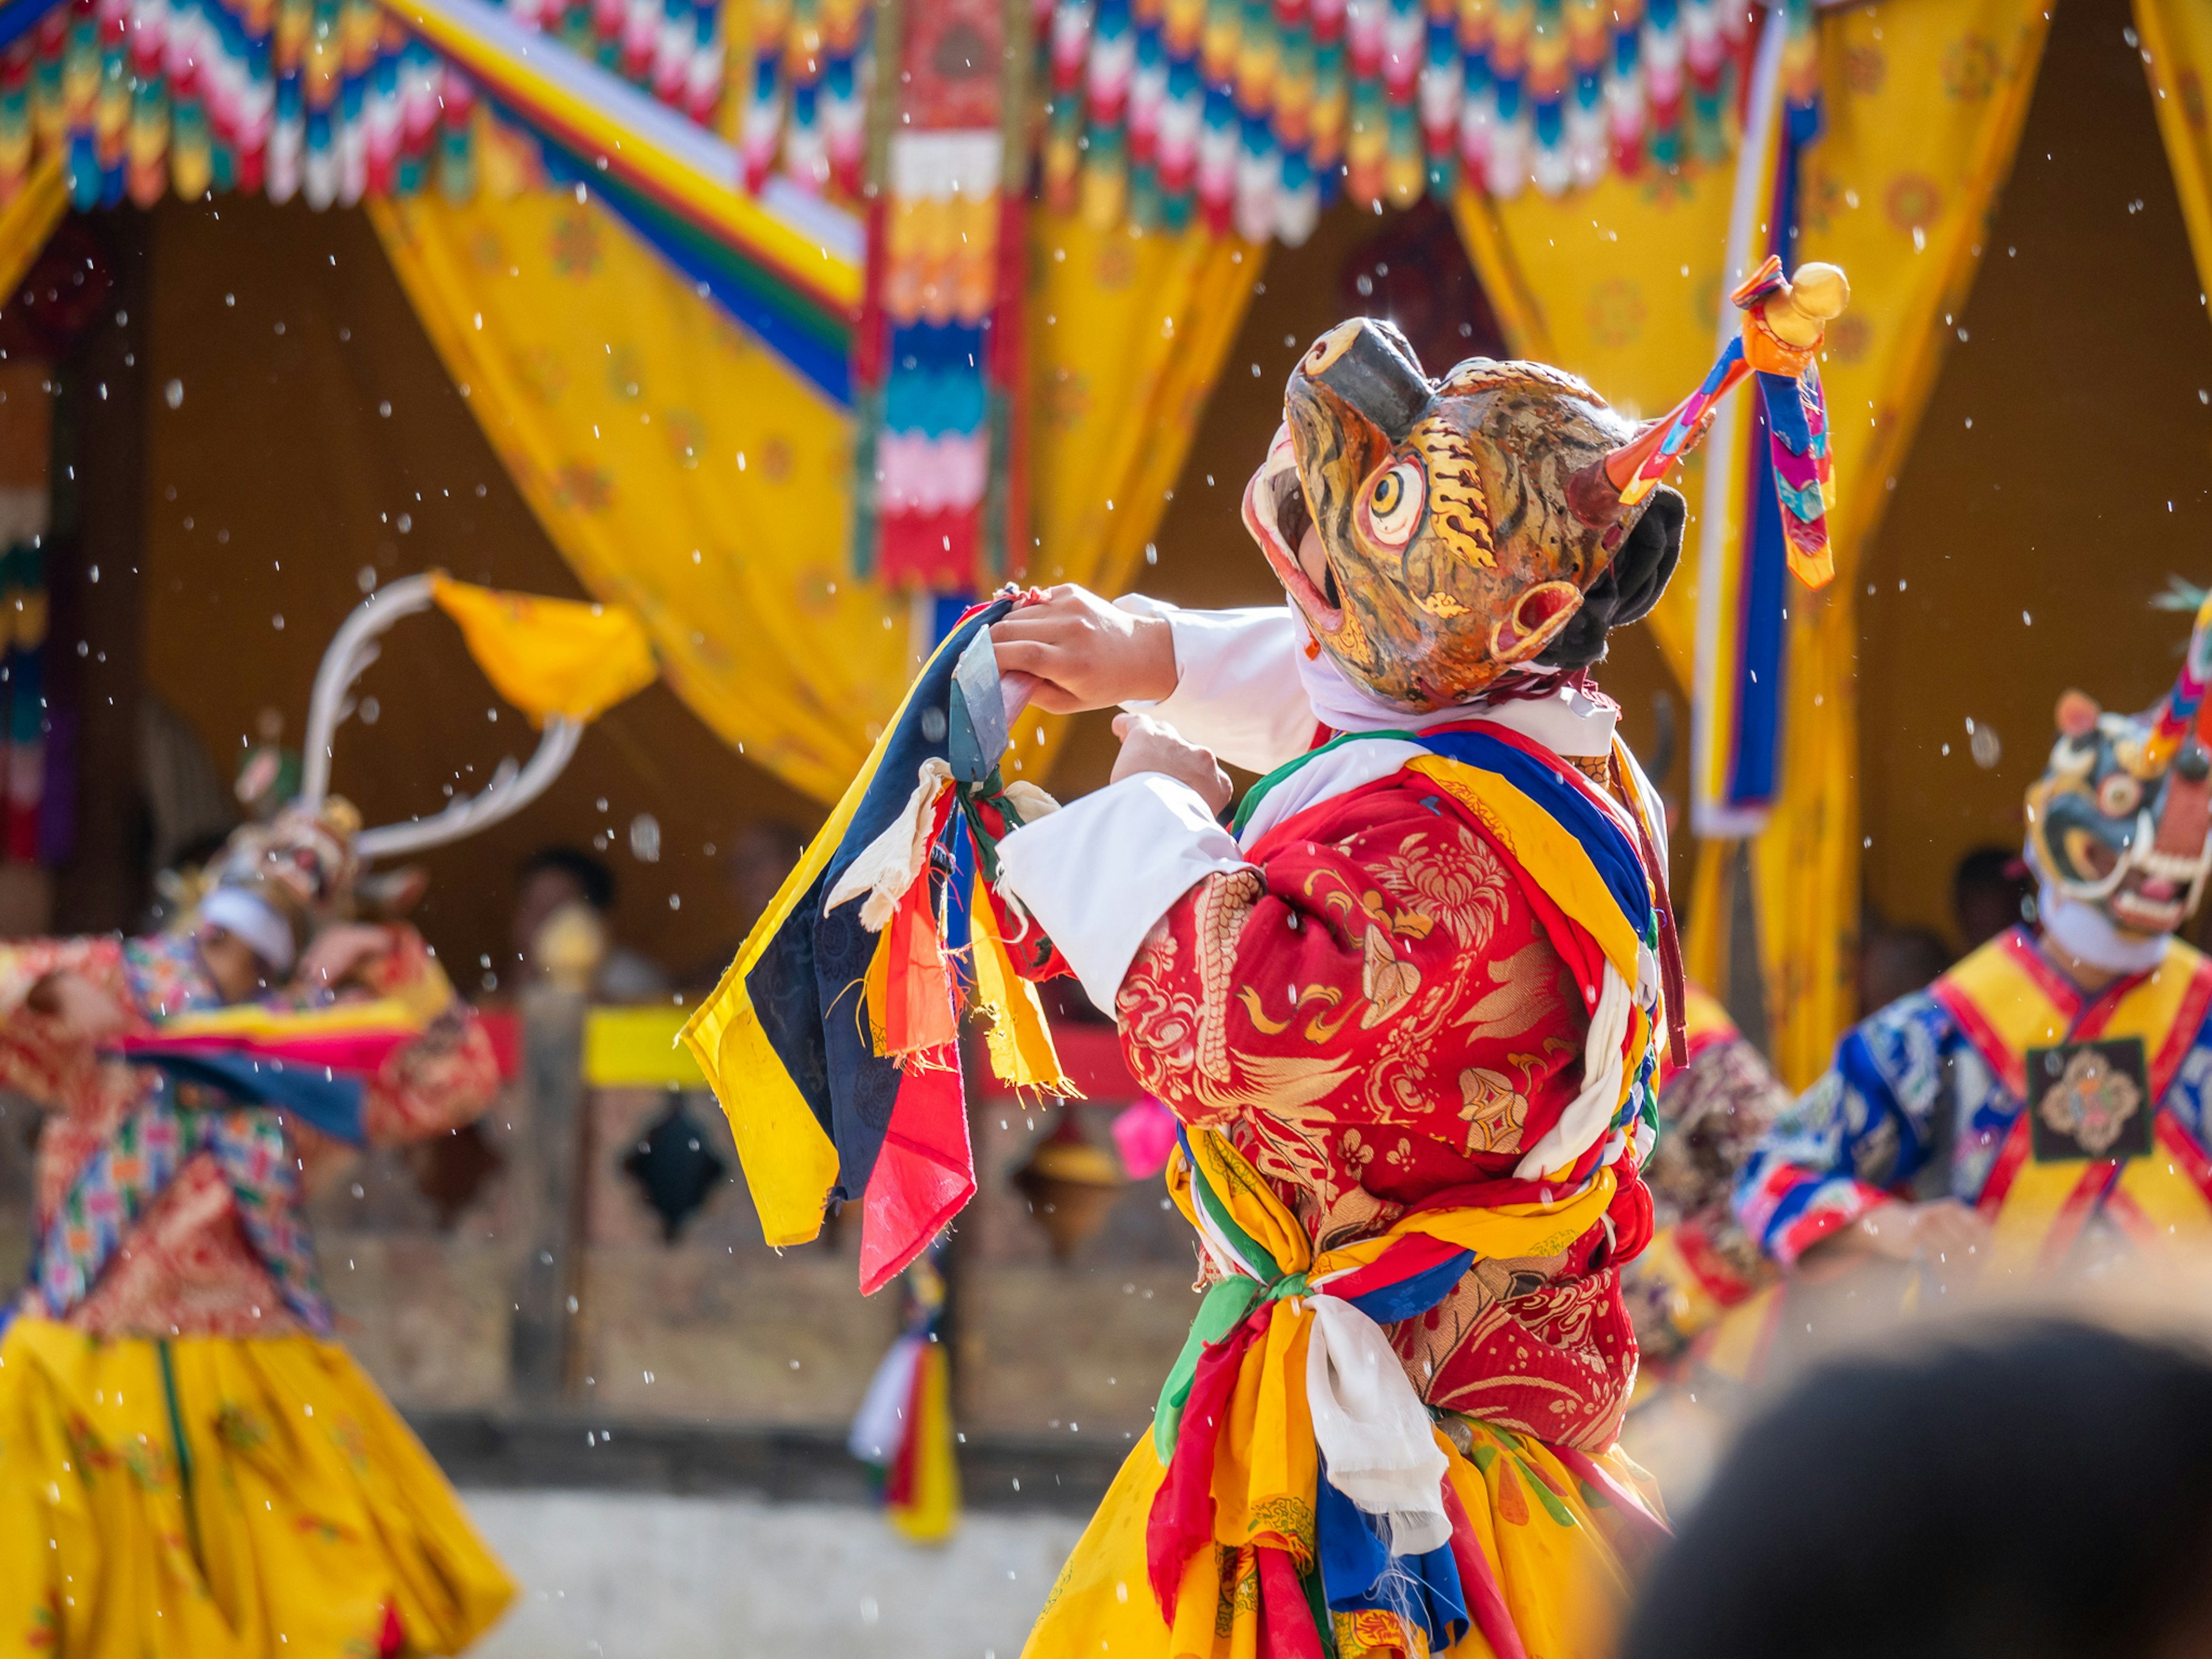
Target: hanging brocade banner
1767,485
937,357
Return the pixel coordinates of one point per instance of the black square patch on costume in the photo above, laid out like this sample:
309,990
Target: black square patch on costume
2089,1100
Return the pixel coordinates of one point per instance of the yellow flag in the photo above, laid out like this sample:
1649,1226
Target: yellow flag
550,657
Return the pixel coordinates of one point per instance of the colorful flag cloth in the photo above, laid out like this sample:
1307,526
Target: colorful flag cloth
831,1041
904,1429
315,1063
550,657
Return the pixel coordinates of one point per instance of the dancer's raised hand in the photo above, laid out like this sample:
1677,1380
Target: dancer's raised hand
1083,653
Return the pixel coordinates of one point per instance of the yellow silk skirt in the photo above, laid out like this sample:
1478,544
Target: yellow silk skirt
1555,1550
216,1497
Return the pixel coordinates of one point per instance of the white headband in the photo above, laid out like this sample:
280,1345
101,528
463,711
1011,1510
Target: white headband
253,919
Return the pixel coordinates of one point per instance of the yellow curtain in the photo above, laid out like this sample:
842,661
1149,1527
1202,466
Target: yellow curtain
683,471
2176,45
1127,334
1621,285
1923,101
680,467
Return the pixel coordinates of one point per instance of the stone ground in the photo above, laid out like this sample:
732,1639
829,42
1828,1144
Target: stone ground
638,1576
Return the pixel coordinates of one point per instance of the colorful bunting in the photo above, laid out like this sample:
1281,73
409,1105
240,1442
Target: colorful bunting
937,360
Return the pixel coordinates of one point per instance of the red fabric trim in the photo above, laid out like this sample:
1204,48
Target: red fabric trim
1287,1619
2181,1147
1995,1053
2019,945
2091,1022
1815,1224
2097,1180
2010,1157
1486,1602
2188,1160
1181,1519
2181,1037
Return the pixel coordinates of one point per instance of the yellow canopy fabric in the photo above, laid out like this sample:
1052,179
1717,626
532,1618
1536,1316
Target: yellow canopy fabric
680,469
1127,334
550,657
1621,283
684,472
2177,47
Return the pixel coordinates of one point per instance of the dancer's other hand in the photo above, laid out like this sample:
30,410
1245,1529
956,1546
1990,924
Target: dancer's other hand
1084,654
1946,1234
85,1011
1150,745
341,952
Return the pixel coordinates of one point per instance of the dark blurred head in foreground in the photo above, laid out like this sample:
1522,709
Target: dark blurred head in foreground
2040,1489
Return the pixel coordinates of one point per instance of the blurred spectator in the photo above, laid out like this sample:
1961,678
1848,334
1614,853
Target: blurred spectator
554,876
1989,892
1895,962
2036,1490
762,853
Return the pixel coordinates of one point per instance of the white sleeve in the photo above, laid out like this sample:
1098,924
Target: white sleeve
1098,874
1237,690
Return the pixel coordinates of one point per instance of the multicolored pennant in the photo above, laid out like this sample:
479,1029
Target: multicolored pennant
832,1041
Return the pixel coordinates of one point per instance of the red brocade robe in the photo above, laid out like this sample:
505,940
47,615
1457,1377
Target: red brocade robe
1363,997
1375,1017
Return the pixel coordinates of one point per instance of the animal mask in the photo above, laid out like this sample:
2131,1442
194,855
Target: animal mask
1424,528
2121,817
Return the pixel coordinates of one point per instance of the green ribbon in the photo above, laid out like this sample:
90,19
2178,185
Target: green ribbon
1228,1303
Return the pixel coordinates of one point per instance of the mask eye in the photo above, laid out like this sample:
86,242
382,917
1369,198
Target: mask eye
1394,502
2118,796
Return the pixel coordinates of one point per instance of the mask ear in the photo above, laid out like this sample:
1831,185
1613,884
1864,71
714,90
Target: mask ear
1646,561
1630,585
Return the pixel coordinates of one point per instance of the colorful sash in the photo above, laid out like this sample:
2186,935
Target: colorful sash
2008,1000
1261,1425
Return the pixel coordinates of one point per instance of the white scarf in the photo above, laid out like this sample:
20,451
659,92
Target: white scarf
1567,722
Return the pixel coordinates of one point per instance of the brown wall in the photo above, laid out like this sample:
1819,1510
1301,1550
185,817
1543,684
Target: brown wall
279,481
